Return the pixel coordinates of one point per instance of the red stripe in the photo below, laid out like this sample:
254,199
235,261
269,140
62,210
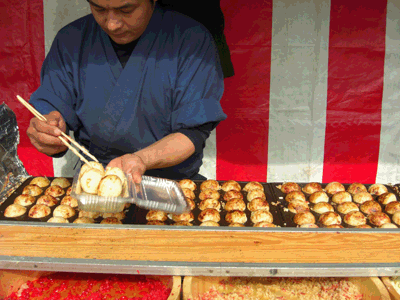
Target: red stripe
242,139
355,87
21,56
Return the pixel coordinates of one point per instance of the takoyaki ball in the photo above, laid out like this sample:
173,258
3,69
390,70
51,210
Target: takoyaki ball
48,200
318,197
187,184
61,182
341,197
355,218
210,184
57,220
209,194
84,220
295,195
330,218
186,217
188,193
64,211
95,165
84,169
347,207
90,181
32,190
155,223
334,226
236,216
118,172
322,207
210,203
71,201
334,187
264,224
304,218
364,226
297,206
119,215
392,207
388,225
156,215
386,198
209,214
370,207
55,191
312,187
396,218
230,185
14,210
111,220
39,211
182,223
377,189
362,197
255,194
69,190
236,225
41,182
290,187
379,218
210,223
89,214
110,186
258,204
261,216
309,226
233,195
356,188
24,200
235,204
253,185
190,203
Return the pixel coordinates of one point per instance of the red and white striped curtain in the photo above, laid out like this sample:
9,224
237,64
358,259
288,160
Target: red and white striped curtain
314,98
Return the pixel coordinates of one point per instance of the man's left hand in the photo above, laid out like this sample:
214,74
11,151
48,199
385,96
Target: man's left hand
131,164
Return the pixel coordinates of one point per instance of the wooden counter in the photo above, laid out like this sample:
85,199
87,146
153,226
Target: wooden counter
146,243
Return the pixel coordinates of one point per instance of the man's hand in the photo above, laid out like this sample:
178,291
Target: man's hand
44,135
131,164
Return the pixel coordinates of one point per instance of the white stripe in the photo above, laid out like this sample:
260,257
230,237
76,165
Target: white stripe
57,14
389,155
209,167
299,64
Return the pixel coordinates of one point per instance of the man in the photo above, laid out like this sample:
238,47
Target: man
139,86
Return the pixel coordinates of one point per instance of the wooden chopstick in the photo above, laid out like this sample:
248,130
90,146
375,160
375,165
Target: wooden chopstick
73,150
43,118
31,109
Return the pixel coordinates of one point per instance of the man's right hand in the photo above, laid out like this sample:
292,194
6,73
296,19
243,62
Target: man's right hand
44,135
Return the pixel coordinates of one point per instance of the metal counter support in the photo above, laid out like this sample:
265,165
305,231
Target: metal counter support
198,269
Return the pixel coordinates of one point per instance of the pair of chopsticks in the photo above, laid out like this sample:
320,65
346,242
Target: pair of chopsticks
43,118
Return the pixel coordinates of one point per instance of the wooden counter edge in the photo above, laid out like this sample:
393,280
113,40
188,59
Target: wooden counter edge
200,245
187,288
394,295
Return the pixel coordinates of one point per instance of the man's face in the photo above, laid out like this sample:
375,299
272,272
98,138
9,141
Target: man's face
123,20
